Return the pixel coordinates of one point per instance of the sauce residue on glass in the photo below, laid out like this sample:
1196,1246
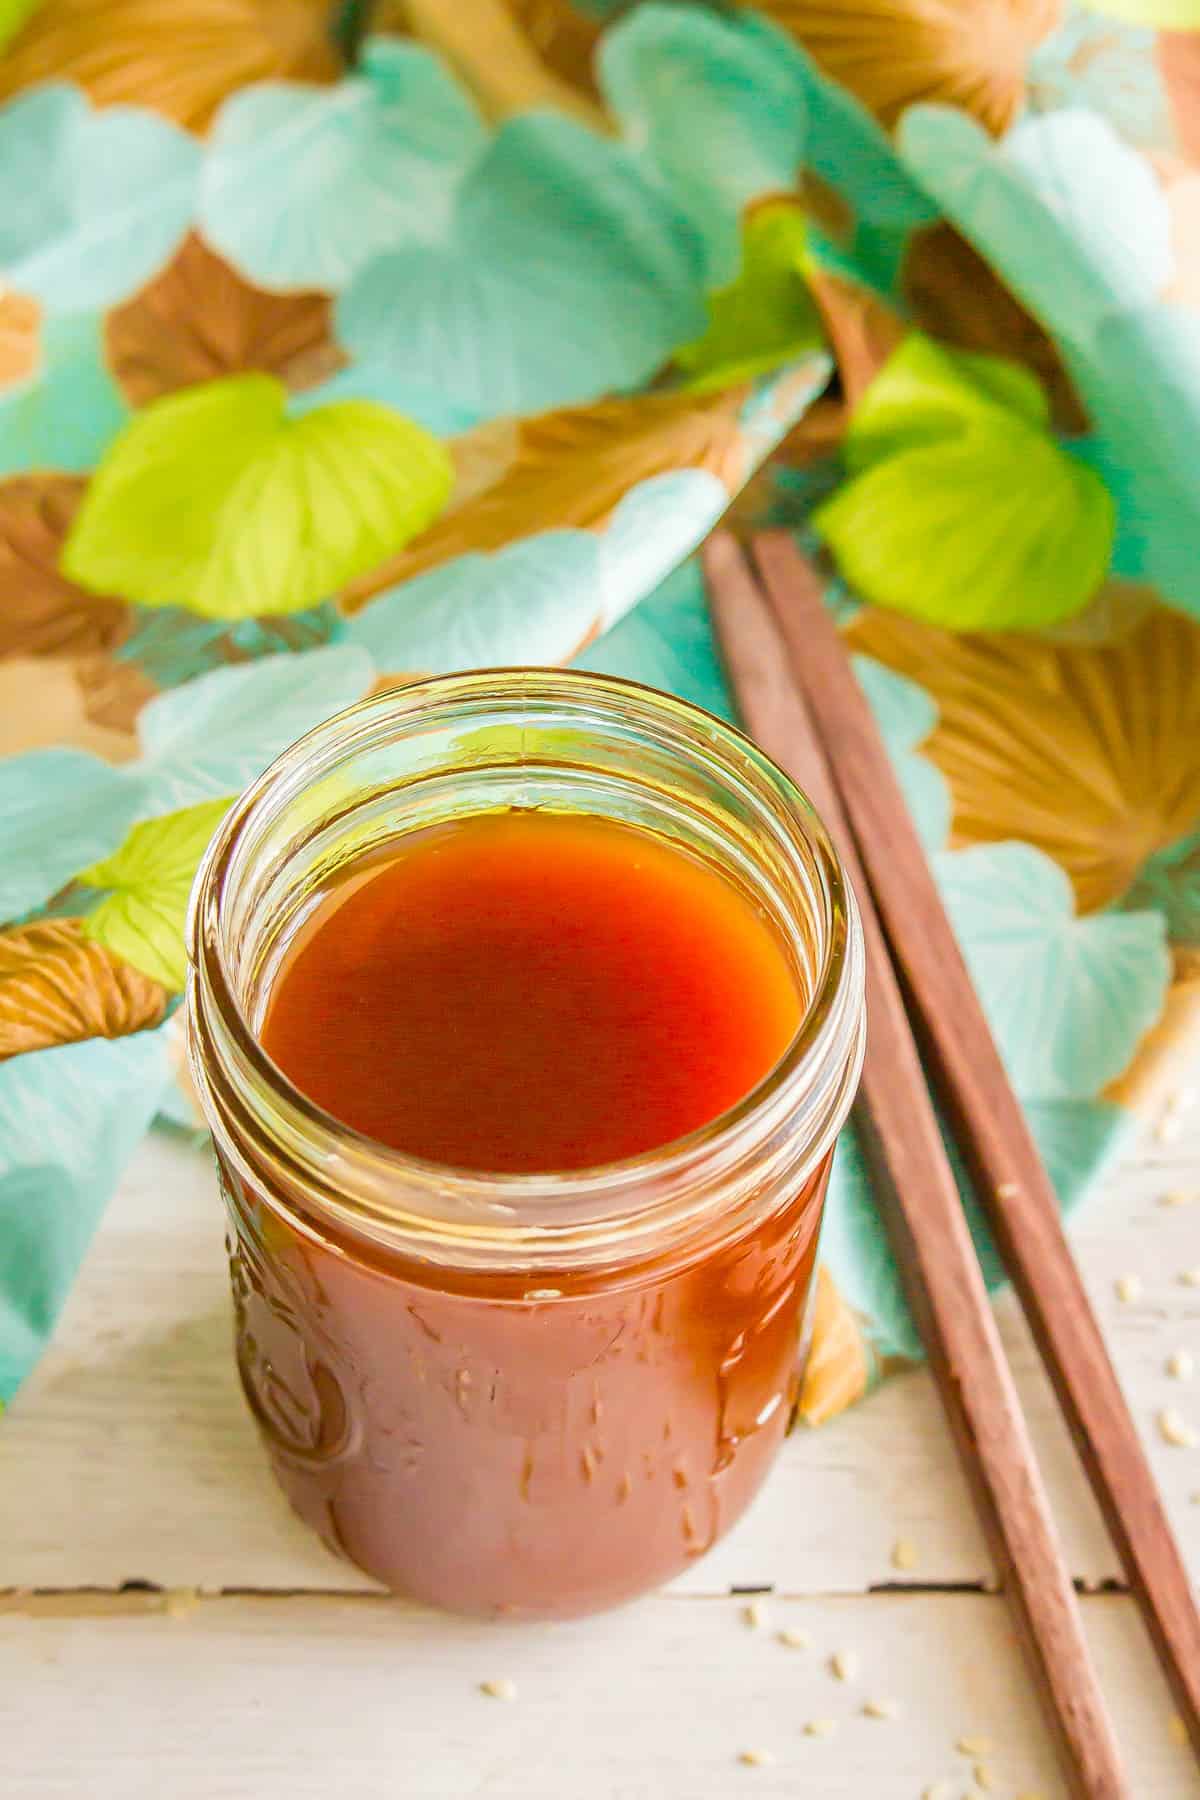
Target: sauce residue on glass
532,991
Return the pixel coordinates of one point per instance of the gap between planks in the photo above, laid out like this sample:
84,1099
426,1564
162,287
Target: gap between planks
136,1599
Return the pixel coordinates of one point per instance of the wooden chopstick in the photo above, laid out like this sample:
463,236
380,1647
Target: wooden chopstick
923,1212
988,1120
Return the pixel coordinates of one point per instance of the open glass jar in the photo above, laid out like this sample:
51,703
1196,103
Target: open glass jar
532,1395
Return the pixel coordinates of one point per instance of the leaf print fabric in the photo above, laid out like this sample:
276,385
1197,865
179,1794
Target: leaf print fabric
215,498
326,362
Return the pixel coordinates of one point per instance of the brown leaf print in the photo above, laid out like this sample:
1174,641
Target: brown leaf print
20,323
894,53
199,319
862,330
41,612
570,468
182,60
1086,750
58,987
495,56
838,1368
113,693
957,298
564,38
67,701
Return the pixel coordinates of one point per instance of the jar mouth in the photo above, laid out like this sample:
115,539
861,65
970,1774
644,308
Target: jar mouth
333,1173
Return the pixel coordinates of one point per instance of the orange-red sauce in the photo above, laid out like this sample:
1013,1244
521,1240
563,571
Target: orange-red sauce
525,992
533,991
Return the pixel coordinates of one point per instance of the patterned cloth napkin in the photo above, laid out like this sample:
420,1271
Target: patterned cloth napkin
328,357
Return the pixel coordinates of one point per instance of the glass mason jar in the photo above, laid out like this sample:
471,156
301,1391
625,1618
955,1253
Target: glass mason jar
524,1394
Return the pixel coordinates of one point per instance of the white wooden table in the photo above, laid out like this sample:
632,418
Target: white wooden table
168,1631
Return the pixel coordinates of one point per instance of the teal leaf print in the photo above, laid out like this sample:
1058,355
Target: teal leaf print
1142,392
717,109
1030,205
566,272
1105,68
1169,883
657,524
171,645
1068,998
391,381
91,202
69,1120
666,641
58,810
65,416
216,734
1078,1141
906,715
534,601
340,174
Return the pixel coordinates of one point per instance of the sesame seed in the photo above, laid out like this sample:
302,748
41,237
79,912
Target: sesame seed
820,1728
940,1790
1181,1365
1128,1289
756,1759
983,1777
795,1640
756,1615
881,1709
1177,1731
503,1689
1190,1277
974,1746
1178,1197
904,1554
844,1664
1173,1429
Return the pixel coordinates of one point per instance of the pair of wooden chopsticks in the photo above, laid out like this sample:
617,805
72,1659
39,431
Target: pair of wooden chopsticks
800,699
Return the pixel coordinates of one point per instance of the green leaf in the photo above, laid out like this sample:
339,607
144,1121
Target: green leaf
1162,15
925,393
13,14
215,499
962,509
765,317
150,878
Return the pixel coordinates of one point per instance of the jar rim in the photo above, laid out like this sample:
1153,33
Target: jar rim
541,1218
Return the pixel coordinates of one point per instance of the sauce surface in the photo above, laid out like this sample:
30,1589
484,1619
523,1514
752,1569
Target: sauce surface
532,991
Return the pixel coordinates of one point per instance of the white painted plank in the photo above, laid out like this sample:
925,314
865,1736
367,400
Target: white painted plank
291,1698
129,1454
